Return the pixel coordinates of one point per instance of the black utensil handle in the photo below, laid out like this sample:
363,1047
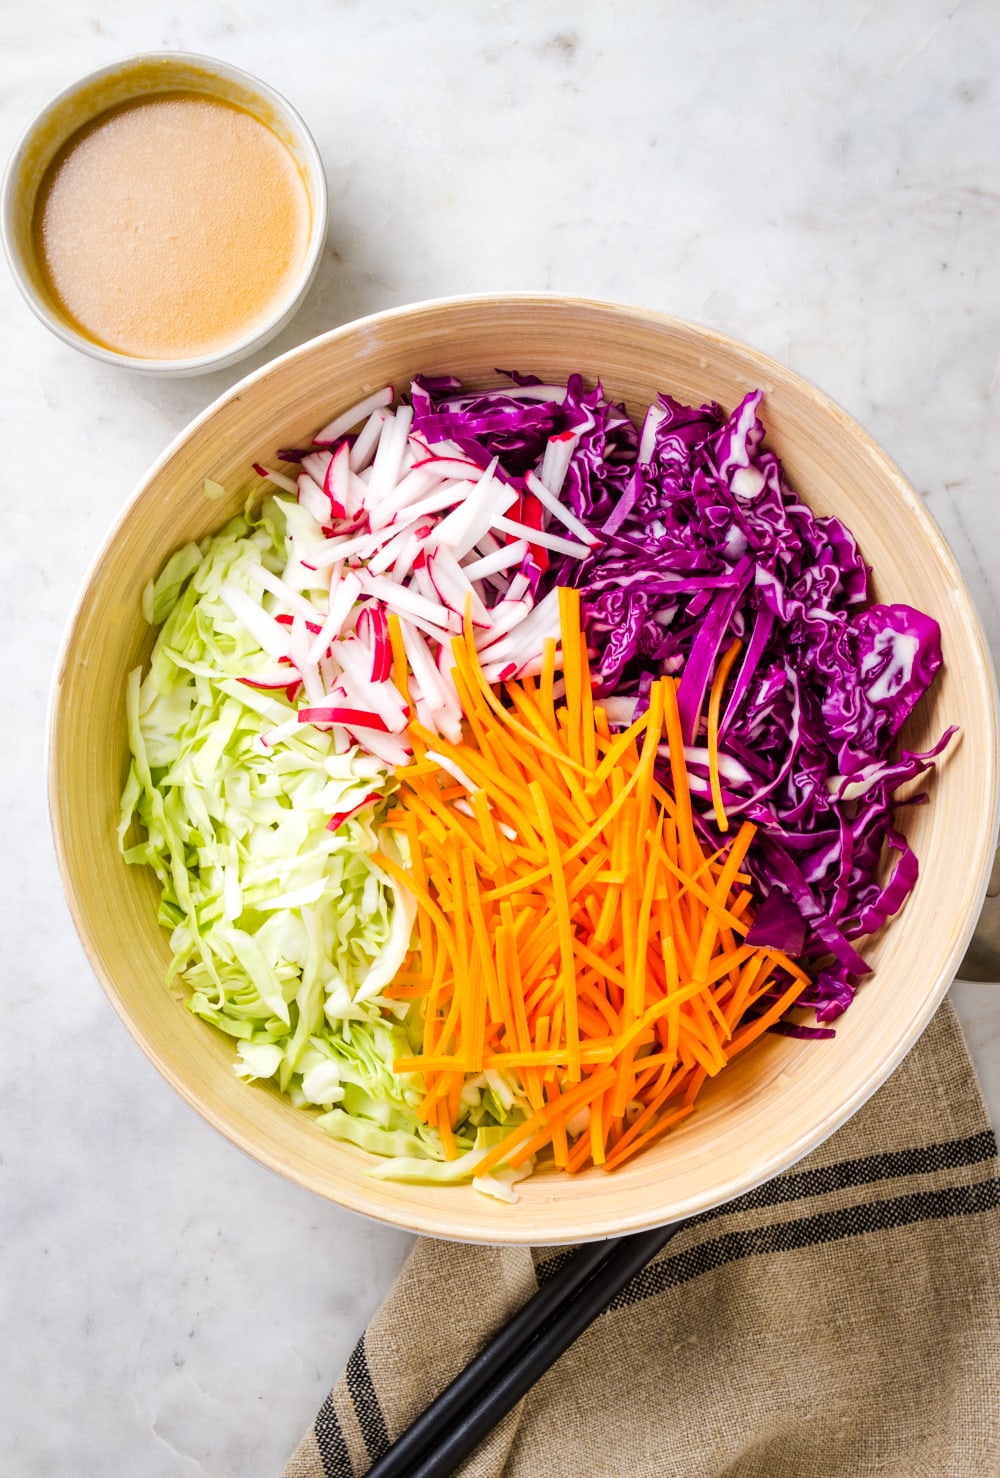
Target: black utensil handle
483,1368
475,1412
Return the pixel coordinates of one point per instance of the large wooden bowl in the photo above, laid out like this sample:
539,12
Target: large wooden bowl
779,1099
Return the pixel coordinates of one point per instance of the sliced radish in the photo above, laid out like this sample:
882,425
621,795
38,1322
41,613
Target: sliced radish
505,615
262,627
501,559
389,457
546,496
384,697
313,498
458,467
406,601
542,537
284,619
411,488
555,463
308,671
373,629
454,588
278,478
647,438
332,551
341,424
271,680
339,817
289,598
316,464
337,714
439,693
367,440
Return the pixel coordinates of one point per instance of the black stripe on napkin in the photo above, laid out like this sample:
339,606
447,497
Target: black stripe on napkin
925,1159
867,1170
329,1436
361,1389
808,1231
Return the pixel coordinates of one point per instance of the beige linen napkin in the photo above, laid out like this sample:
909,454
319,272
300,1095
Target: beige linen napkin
842,1320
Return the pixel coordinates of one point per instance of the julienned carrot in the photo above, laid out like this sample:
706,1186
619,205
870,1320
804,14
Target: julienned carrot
573,932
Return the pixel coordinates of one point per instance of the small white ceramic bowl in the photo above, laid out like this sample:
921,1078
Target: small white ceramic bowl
134,77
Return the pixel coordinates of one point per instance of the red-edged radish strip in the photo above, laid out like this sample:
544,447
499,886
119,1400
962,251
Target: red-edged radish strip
445,495
439,692
317,464
337,481
405,601
308,671
457,467
289,598
271,679
500,672
356,659
569,520
313,498
332,551
413,487
542,537
436,633
388,462
367,440
263,628
284,619
526,640
341,424
450,582
334,713
476,515
344,594
647,437
372,628
391,749
500,559
394,551
504,616
279,479
555,463
338,818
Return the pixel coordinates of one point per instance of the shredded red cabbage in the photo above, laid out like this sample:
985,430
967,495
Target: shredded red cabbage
703,541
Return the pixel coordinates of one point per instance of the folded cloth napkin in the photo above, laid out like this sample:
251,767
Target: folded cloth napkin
842,1320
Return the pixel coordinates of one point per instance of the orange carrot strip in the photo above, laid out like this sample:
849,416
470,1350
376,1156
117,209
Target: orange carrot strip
619,1155
536,1130
714,704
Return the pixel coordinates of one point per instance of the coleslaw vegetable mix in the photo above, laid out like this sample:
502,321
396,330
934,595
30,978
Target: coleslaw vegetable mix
341,681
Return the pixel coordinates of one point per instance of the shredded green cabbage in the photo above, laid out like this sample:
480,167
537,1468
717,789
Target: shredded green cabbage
283,931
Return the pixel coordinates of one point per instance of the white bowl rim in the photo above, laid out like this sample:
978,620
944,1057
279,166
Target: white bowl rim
257,338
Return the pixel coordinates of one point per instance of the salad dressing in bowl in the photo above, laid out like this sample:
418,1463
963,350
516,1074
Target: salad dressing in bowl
171,225
166,214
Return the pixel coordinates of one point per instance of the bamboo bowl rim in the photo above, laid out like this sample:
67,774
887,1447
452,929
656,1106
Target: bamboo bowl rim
555,1208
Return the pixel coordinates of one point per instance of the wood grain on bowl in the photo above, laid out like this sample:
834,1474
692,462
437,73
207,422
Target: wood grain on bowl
780,1098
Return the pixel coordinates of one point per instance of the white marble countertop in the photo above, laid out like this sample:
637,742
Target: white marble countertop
820,181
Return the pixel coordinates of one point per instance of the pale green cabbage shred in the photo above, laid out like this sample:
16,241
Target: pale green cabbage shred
283,932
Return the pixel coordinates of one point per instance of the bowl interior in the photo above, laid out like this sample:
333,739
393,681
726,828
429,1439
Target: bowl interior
777,1100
